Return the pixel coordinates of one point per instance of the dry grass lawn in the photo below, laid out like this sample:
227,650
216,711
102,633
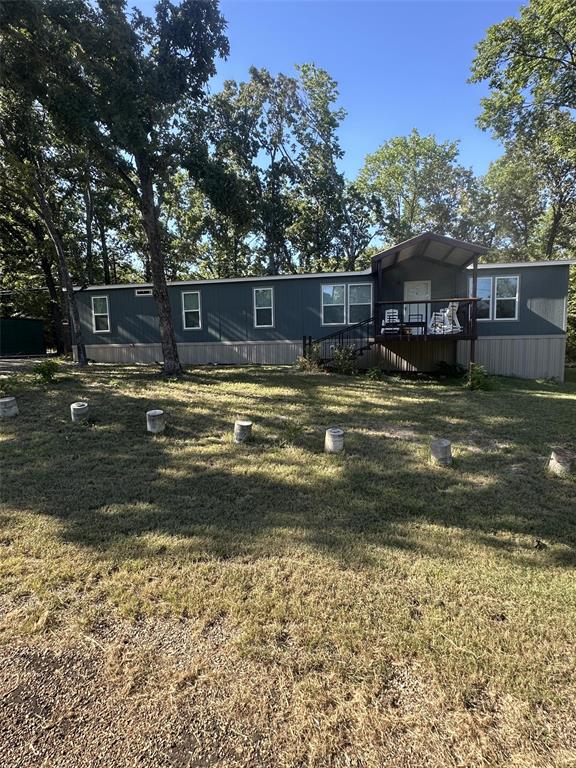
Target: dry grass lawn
183,601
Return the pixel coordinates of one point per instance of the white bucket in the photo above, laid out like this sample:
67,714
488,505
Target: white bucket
334,440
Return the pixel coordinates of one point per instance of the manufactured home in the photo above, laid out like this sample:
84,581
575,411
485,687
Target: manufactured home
424,301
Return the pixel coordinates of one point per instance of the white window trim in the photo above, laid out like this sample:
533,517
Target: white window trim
356,304
509,298
493,282
100,314
143,291
199,310
491,308
254,291
325,285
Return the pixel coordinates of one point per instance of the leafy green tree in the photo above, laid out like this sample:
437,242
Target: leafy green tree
318,190
571,335
252,130
37,163
116,220
533,190
551,146
203,239
530,66
475,220
418,183
529,63
27,260
517,204
360,214
121,87
184,227
279,136
103,203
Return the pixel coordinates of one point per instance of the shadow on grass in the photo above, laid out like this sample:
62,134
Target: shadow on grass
110,483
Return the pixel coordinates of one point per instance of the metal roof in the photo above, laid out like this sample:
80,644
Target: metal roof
203,281
430,247
522,264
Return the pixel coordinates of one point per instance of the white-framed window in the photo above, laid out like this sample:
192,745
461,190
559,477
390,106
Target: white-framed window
484,294
143,291
191,311
359,302
497,297
506,297
100,314
263,307
334,304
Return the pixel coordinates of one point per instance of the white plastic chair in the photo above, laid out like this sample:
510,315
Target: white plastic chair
391,322
446,320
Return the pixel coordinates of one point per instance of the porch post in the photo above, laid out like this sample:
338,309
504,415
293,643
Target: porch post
473,311
379,297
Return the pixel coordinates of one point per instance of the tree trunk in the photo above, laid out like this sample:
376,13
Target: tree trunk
553,231
147,270
104,247
65,279
55,308
159,286
236,270
89,216
349,245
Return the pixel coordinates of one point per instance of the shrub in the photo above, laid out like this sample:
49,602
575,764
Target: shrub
344,361
375,374
477,377
46,371
12,384
312,363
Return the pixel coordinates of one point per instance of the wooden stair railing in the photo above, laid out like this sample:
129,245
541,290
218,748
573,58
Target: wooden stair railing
358,337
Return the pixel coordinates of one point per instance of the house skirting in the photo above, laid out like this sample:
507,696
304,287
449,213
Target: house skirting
528,357
202,353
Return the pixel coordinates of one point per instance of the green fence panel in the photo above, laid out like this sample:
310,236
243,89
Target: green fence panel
19,336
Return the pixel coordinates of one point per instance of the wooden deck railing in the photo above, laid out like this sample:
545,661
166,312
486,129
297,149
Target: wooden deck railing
454,318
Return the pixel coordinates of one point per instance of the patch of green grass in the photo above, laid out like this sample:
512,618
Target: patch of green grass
348,580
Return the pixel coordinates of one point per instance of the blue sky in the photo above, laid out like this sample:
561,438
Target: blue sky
399,65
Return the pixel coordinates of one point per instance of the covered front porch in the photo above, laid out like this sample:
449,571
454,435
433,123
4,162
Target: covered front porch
424,291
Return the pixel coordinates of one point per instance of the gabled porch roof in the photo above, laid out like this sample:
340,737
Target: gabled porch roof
428,246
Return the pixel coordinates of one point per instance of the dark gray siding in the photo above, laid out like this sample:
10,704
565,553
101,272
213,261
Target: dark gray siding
445,282
542,294
227,307
226,310
132,318
542,302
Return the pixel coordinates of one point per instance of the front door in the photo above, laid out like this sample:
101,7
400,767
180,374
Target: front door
417,291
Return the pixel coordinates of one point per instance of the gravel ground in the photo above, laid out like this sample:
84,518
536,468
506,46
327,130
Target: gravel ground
93,702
